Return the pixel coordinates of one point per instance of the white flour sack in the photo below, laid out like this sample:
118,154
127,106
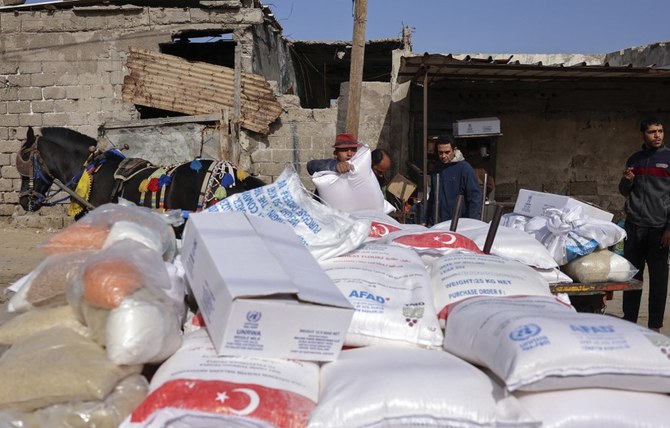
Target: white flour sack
383,224
513,244
390,289
597,407
536,344
195,388
325,231
355,190
411,387
459,276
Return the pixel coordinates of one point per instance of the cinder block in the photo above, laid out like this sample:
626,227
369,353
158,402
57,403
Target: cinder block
54,93
18,107
27,119
30,93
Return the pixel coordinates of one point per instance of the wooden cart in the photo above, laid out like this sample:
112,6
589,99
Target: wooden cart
591,297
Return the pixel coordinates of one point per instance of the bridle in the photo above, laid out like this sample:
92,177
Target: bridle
30,165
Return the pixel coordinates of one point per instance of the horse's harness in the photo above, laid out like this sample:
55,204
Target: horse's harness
30,164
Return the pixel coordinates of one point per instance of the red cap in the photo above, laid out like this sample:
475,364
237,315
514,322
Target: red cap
345,141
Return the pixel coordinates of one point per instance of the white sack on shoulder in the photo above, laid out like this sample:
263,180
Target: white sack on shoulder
391,291
355,190
538,344
325,231
460,276
411,387
196,388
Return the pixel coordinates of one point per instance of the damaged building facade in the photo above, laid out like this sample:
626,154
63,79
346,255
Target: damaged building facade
179,79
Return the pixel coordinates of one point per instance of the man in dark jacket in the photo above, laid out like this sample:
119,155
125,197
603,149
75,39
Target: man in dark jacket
456,177
646,186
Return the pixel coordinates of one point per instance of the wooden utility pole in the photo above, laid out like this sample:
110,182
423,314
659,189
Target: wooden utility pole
356,70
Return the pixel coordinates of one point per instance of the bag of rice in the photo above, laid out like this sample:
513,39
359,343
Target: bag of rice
391,291
459,276
56,366
538,344
411,387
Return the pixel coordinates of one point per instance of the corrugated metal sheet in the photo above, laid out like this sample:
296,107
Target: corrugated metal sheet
445,67
171,83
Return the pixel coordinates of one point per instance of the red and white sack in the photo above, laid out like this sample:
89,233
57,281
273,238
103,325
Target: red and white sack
411,387
327,232
391,291
383,224
538,344
431,243
597,407
508,242
460,276
196,388
355,190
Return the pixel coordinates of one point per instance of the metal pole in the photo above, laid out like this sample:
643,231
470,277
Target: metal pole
436,195
486,177
425,139
456,215
493,229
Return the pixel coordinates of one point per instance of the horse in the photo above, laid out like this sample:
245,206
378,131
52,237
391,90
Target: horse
93,177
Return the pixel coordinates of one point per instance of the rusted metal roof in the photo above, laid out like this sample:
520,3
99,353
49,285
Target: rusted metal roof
446,67
171,83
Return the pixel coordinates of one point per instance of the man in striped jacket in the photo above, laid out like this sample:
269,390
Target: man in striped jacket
646,186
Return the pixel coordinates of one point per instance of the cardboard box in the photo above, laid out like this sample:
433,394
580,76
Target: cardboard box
401,187
478,126
532,203
260,290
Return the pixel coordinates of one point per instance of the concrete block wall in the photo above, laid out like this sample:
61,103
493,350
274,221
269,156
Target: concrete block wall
64,67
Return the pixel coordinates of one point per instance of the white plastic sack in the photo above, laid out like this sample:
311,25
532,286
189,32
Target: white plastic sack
510,243
121,294
538,344
568,234
597,407
325,231
514,220
554,276
600,266
391,291
411,387
196,388
355,190
460,276
383,224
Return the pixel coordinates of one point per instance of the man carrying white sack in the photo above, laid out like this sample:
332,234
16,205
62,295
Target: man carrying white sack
646,186
347,182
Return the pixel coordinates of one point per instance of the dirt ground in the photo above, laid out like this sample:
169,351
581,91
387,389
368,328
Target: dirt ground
19,253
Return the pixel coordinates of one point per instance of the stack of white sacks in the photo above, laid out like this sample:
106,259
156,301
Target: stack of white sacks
441,335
